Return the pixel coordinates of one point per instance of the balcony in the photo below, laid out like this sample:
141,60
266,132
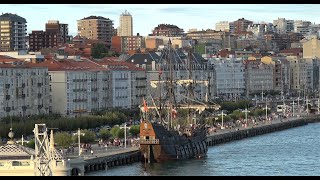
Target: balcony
24,108
94,89
141,78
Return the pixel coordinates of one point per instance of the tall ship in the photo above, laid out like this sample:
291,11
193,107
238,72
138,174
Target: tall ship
173,126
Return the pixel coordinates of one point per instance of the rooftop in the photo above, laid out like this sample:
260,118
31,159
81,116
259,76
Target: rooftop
95,17
12,17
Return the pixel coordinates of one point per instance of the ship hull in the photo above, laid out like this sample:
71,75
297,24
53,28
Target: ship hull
173,146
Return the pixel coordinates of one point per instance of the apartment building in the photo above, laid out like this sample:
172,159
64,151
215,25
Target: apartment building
259,77
229,77
128,84
299,74
126,24
61,30
281,72
154,64
311,48
96,28
24,88
124,44
13,30
284,26
222,26
241,25
167,30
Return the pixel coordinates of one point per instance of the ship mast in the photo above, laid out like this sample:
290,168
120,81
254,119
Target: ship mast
189,87
170,84
160,72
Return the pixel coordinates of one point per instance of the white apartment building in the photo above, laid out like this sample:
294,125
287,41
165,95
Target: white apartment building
24,89
77,86
229,77
222,26
128,84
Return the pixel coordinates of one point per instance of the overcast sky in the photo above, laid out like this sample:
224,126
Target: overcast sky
148,16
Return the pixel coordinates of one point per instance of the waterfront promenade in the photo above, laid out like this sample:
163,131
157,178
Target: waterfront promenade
101,152
103,157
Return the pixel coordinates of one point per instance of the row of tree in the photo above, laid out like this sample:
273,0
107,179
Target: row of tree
24,126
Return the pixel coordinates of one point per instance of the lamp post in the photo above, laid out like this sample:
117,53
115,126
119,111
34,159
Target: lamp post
79,134
222,114
125,134
246,111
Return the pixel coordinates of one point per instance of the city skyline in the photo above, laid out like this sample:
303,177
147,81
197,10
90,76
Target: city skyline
185,16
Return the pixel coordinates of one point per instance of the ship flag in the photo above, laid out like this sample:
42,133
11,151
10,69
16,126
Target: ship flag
145,107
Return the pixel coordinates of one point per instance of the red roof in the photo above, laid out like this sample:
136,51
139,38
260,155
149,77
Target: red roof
70,65
113,63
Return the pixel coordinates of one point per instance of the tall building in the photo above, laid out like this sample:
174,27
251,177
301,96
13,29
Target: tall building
126,24
53,26
241,25
96,28
284,26
13,32
222,26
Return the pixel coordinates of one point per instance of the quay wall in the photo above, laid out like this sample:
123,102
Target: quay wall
103,163
216,139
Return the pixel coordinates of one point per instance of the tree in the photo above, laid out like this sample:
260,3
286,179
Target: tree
134,130
114,131
120,133
88,136
31,144
99,51
105,134
63,139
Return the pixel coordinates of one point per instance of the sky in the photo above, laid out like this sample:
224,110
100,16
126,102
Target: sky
148,16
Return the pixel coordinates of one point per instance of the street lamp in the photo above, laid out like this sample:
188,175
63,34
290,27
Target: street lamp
79,134
222,114
246,111
125,134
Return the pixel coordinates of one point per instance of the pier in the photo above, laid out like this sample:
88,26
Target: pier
102,159
227,135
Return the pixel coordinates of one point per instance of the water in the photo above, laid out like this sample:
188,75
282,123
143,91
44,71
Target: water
292,152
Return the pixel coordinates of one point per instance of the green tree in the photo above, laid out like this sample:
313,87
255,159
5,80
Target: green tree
134,130
105,134
120,133
63,139
31,144
88,136
114,131
99,51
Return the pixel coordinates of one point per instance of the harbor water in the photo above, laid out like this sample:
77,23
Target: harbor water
291,152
